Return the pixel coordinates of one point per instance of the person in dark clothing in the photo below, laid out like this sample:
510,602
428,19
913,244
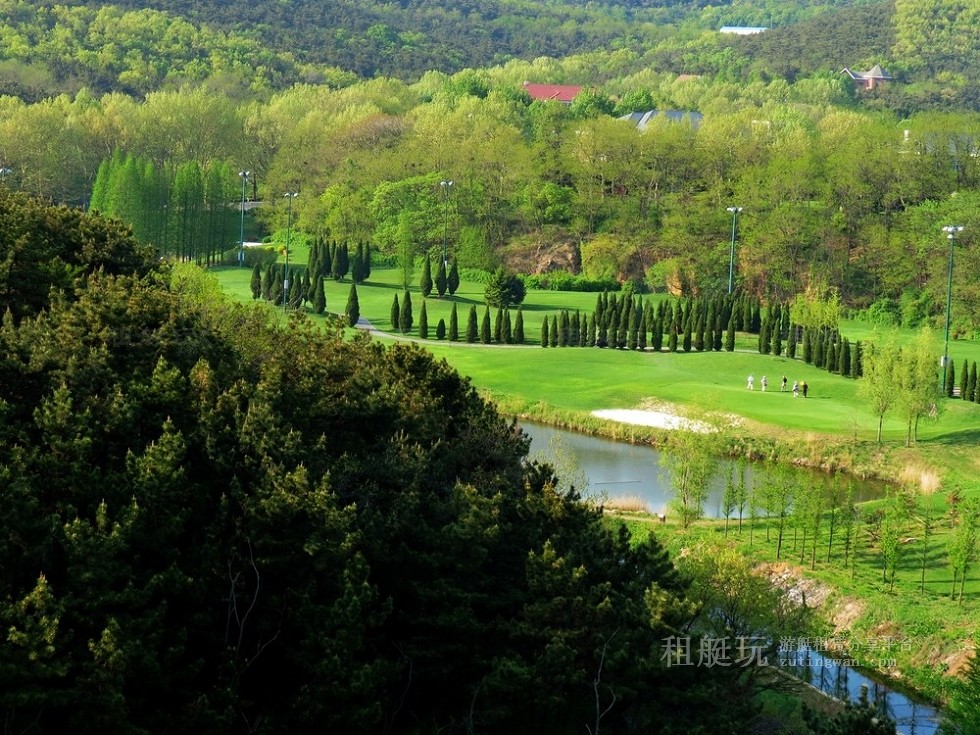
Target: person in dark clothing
805,388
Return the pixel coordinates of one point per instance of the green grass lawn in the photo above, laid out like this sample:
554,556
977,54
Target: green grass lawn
575,381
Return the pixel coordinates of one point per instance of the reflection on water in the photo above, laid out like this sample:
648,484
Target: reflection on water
833,674
617,470
612,470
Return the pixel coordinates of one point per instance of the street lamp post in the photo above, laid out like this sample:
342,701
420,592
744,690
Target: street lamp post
951,231
241,241
447,187
731,257
290,195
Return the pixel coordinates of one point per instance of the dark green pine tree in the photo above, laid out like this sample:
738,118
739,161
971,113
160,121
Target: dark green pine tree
441,330
453,325
353,309
971,385
699,328
256,282
965,381
807,347
777,338
672,339
405,318
756,324
267,280
498,326
688,331
295,292
442,279
599,307
395,315
657,332
425,283
817,350
746,314
641,331
452,280
791,344
602,330
590,331
486,329
423,322
519,327
623,323
553,337
950,378
319,296
545,334
508,336
471,328
730,334
856,367
633,330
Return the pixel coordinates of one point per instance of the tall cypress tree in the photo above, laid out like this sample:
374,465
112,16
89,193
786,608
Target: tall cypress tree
965,381
319,296
971,385
442,279
590,336
519,327
405,318
498,326
353,310
508,336
267,283
453,325
485,330
563,328
791,344
441,330
452,280
425,283
471,329
395,315
856,358
730,334
256,282
423,322
553,341
545,334
295,292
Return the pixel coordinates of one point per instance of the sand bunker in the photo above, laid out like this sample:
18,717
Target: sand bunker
656,419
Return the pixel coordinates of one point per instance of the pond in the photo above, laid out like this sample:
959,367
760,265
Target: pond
626,473
613,471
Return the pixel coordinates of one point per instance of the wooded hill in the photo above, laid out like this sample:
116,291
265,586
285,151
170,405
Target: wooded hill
253,48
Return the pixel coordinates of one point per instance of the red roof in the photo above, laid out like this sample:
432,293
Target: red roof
563,93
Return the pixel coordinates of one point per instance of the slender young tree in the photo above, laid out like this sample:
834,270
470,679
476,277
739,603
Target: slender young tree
486,331
519,326
545,332
425,283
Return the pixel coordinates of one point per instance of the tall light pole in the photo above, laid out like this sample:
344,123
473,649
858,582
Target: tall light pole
290,195
950,231
447,187
241,241
731,257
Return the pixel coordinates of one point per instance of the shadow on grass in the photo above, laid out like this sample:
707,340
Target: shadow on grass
967,437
